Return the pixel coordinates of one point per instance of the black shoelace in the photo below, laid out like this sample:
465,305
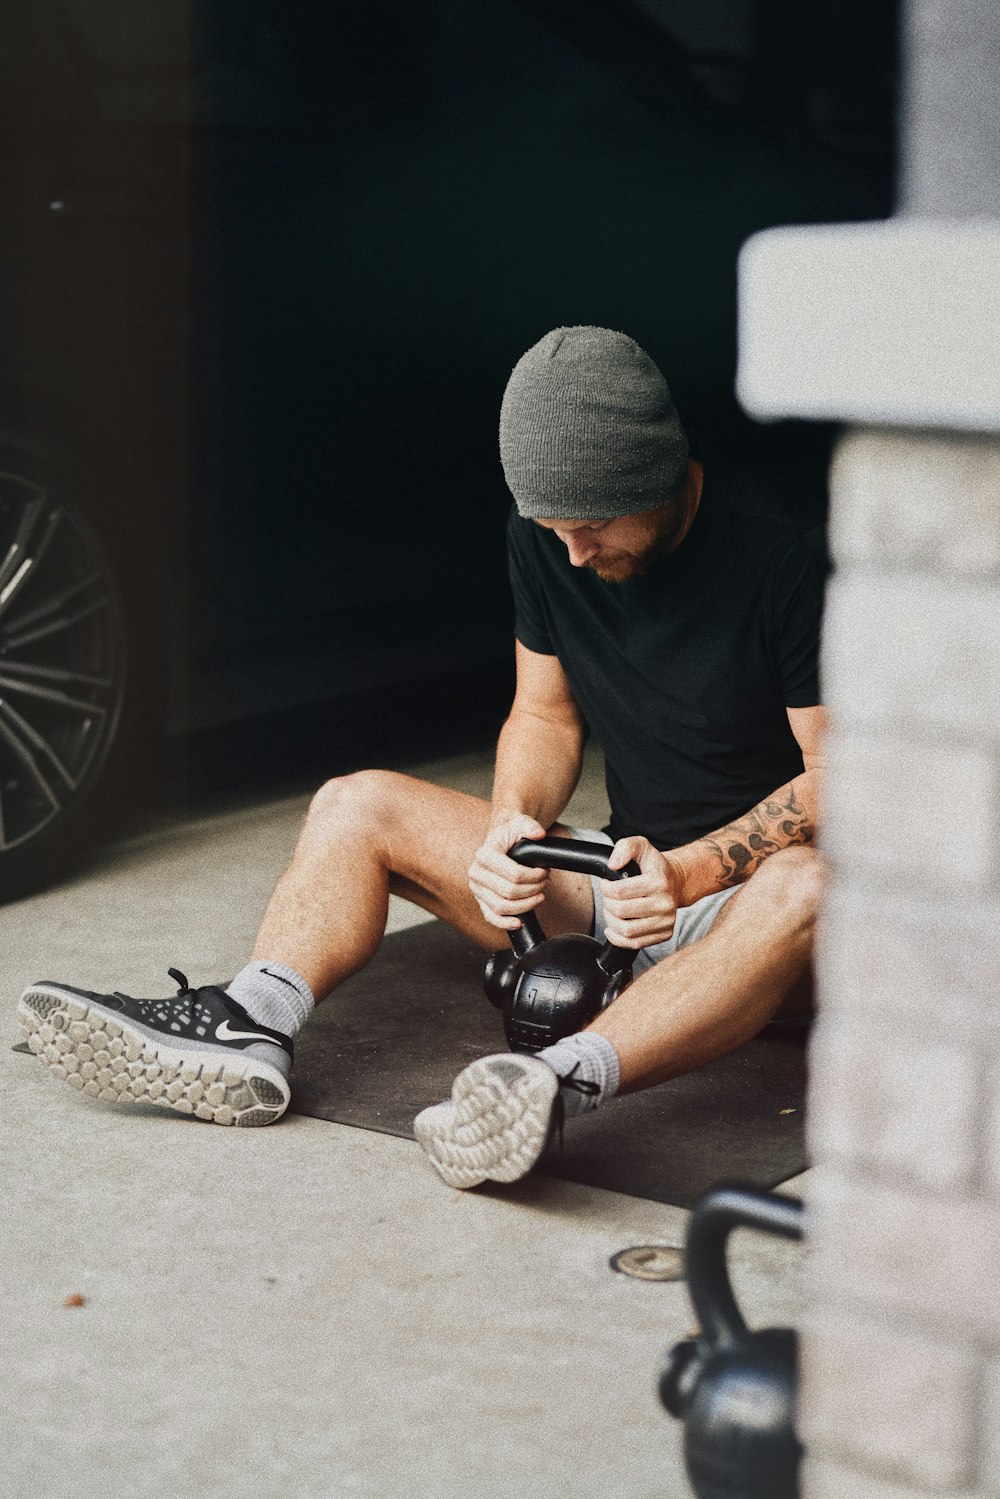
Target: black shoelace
180,979
576,1085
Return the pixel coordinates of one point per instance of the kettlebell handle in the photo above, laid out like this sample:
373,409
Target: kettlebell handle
712,1221
579,857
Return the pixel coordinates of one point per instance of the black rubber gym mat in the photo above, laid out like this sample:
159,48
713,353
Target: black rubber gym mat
391,1040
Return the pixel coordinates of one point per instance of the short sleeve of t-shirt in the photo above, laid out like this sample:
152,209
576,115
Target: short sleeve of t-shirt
797,601
529,615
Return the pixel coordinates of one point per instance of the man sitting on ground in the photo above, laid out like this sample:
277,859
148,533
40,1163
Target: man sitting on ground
673,607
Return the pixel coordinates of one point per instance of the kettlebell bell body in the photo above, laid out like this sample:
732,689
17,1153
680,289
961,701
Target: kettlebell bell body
548,987
733,1388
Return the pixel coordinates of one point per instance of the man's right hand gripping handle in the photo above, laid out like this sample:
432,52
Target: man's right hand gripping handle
504,889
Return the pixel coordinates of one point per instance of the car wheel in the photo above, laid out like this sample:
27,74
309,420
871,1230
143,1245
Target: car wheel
64,677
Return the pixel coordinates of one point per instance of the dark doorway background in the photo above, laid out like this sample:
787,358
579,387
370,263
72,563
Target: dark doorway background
401,199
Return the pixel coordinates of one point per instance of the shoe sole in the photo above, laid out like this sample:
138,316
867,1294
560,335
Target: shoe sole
497,1125
102,1054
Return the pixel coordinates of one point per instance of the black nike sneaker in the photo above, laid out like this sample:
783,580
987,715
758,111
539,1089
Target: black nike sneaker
199,1053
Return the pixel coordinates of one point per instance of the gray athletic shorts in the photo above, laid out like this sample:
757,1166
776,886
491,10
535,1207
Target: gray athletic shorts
692,921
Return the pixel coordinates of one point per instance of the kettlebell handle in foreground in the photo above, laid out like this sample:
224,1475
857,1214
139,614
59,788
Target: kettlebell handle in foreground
579,857
711,1223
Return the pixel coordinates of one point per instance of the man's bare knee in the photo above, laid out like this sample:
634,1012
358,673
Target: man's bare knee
793,876
366,802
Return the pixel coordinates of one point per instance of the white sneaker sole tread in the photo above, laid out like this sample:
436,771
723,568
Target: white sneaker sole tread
107,1056
497,1124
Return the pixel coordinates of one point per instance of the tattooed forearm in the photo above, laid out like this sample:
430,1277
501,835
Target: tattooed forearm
780,820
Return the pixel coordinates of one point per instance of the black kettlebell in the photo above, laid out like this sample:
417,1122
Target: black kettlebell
735,1389
549,987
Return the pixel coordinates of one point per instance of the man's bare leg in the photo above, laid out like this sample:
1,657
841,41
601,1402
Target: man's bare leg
708,999
225,1055
380,832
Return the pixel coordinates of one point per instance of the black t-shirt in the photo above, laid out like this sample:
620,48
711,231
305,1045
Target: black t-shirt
684,675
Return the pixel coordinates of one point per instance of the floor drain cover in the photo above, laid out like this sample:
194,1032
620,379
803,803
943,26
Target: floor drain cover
650,1262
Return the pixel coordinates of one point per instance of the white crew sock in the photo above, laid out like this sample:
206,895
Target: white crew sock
274,995
590,1058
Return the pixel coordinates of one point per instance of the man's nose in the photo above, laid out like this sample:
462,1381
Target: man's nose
580,551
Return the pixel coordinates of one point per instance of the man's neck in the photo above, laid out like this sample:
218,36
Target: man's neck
690,499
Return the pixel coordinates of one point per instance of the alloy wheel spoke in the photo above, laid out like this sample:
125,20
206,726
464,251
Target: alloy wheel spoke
18,549
53,674
29,549
58,601
27,759
56,626
20,728
50,695
27,569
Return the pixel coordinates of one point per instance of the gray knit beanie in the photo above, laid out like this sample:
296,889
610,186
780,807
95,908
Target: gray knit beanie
588,429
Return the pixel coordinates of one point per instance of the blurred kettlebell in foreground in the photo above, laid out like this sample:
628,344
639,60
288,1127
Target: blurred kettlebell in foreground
735,1389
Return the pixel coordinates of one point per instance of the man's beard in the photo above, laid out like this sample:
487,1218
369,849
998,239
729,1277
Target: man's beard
623,567
619,568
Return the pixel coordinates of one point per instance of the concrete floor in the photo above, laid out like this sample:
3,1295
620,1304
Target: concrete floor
305,1310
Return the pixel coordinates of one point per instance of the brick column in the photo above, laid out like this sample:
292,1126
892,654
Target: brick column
901,1338
901,1351
894,329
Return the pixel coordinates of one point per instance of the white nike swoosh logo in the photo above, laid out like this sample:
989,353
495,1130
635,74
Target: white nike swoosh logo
224,1032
